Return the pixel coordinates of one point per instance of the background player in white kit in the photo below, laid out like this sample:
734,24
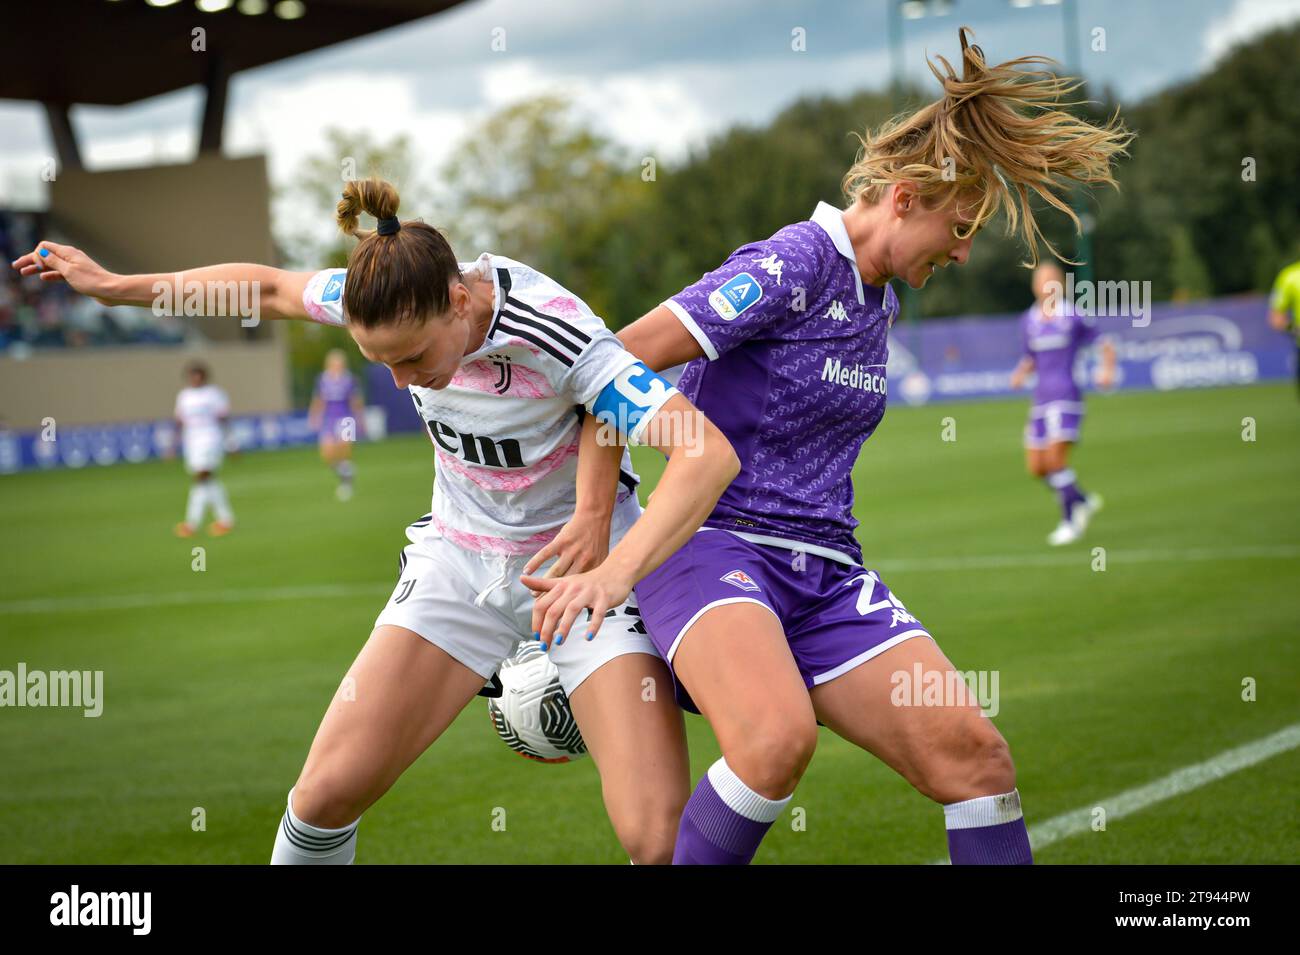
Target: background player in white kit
201,412
502,363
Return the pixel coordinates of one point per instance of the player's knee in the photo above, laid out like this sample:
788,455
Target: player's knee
650,838
322,800
974,761
771,759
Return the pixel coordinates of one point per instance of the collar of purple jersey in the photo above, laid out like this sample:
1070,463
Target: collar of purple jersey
831,221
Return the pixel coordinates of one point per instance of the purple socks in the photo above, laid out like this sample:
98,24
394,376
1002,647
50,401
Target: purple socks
1067,491
988,830
724,820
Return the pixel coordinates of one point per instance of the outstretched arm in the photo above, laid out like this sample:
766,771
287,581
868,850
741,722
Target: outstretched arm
279,292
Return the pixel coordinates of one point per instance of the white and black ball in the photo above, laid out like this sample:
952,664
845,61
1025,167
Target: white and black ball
532,714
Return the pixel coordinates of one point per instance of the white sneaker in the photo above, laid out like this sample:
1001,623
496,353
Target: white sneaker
343,492
1065,533
1083,511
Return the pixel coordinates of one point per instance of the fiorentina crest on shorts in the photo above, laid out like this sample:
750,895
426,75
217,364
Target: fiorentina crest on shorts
738,578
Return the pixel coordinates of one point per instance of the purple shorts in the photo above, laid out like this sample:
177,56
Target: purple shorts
332,427
835,615
1052,422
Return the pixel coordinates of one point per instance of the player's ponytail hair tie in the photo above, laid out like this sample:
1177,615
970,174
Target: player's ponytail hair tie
408,280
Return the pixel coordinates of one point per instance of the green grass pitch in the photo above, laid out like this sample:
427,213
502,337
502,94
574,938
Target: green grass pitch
215,680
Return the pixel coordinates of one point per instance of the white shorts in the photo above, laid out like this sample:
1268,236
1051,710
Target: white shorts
473,606
203,454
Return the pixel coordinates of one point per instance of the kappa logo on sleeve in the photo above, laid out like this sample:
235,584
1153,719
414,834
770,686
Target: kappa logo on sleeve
333,289
771,265
735,295
742,580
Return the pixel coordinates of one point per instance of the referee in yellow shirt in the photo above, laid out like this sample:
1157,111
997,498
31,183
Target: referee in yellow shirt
1284,306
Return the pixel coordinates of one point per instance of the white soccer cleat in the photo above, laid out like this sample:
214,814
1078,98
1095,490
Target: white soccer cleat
343,492
1065,533
1083,511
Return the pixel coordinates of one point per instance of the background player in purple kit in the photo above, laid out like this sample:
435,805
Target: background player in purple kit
335,412
767,617
1054,335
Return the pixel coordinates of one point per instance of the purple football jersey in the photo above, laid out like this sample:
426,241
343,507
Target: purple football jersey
1054,342
336,393
797,347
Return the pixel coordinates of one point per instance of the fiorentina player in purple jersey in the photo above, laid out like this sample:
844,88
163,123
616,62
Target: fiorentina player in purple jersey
768,618
1054,335
335,412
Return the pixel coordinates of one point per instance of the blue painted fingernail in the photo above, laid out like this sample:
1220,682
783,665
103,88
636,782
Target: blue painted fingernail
590,635
536,635
44,252
559,638
545,647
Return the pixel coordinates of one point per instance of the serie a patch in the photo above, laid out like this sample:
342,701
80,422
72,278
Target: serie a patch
735,295
333,289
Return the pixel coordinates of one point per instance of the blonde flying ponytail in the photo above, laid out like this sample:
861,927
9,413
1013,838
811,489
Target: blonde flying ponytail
998,137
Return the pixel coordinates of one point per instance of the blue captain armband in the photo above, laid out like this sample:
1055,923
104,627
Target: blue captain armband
631,399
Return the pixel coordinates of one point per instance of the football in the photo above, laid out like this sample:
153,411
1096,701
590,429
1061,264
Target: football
532,714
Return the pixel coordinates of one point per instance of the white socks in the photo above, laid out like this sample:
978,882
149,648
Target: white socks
204,494
220,503
299,843
196,504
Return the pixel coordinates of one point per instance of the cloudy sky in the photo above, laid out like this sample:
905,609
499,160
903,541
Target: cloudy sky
657,75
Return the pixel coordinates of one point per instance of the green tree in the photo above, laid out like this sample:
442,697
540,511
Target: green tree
1187,271
522,176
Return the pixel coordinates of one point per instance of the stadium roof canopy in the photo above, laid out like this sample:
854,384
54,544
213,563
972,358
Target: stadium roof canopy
113,52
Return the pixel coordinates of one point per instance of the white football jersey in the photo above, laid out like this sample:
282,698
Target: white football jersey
200,411
506,430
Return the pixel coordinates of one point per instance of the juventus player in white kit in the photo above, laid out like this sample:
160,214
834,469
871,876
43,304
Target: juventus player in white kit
201,412
502,363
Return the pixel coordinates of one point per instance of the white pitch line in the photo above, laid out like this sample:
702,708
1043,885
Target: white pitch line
1079,558
1178,783
137,601
1082,558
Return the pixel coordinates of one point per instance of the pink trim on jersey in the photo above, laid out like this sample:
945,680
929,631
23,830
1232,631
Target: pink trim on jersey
316,312
514,479
482,375
528,383
564,305
478,375
494,545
